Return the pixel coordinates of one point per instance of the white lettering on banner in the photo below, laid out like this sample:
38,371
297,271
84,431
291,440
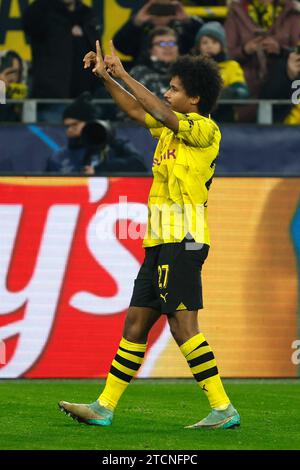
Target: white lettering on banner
98,187
112,255
40,295
43,290
9,221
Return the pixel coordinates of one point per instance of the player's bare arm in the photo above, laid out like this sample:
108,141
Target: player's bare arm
149,102
127,102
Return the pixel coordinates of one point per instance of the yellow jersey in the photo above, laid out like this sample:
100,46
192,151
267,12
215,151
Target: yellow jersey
231,73
183,168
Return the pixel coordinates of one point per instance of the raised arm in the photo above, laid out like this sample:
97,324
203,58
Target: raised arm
149,102
140,101
127,102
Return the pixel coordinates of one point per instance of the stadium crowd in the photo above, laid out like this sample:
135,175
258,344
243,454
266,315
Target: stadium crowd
257,48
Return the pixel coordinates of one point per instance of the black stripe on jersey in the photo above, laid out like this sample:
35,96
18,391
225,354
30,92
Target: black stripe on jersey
213,163
208,183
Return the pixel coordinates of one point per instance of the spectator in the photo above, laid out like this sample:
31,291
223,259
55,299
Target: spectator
211,41
259,31
130,39
279,86
61,32
92,147
161,51
13,73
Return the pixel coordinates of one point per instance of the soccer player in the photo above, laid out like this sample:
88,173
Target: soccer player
177,238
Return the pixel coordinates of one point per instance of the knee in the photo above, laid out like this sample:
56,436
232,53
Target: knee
182,331
178,332
133,331
135,336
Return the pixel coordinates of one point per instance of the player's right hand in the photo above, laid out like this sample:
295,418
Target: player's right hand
95,60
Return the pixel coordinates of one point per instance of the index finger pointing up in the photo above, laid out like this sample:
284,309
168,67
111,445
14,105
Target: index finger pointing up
98,50
112,48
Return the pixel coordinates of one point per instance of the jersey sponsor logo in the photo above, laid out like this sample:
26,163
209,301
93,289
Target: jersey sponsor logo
168,155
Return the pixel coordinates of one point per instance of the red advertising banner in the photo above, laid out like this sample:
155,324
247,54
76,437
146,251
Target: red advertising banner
65,279
70,249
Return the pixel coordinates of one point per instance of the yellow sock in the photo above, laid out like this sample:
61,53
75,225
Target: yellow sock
203,365
124,367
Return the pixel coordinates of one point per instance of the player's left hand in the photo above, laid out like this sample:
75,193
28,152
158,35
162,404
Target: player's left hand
113,63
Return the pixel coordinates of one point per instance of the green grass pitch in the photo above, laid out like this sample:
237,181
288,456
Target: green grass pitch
151,415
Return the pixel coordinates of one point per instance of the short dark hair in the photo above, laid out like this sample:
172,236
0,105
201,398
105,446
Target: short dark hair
200,76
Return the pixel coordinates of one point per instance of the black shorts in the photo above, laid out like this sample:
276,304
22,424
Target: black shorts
170,277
